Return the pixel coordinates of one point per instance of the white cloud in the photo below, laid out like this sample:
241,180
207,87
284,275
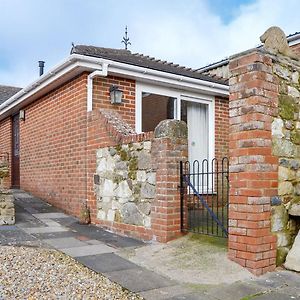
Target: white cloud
201,37
187,32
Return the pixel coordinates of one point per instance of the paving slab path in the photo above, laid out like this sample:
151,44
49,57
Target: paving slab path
42,225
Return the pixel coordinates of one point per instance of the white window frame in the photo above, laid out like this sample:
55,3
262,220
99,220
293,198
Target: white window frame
179,96
147,88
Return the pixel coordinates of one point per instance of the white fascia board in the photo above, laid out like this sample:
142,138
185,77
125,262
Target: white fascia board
174,80
71,63
92,63
294,42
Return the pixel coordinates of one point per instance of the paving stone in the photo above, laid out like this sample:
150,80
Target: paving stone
236,291
50,215
31,210
165,293
15,236
138,280
293,292
191,296
275,296
278,279
44,229
107,262
65,221
93,242
8,227
106,237
50,223
67,242
83,238
54,235
88,250
26,217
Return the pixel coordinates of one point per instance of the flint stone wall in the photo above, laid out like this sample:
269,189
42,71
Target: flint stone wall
286,145
7,209
125,183
4,170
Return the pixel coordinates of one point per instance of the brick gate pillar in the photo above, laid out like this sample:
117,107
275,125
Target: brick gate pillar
253,102
168,149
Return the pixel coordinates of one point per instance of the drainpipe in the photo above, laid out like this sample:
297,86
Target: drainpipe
102,73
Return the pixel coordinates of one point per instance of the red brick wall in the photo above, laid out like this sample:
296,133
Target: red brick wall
101,96
253,169
5,145
53,146
221,127
296,48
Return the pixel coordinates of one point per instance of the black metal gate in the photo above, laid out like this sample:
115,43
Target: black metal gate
204,190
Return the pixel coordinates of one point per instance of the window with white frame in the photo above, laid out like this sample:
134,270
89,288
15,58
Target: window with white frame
156,103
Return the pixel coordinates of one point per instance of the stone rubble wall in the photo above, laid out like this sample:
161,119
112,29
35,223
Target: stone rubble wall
286,145
125,183
7,210
4,170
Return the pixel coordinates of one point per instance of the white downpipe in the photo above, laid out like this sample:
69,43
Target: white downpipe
102,73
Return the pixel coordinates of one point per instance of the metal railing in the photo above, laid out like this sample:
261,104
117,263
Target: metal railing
204,190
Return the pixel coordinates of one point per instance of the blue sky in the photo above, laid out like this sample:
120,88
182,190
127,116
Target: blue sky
190,32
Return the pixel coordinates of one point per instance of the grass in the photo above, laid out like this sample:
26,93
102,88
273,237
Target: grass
208,240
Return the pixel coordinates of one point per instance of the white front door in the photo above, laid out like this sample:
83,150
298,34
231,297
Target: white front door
198,131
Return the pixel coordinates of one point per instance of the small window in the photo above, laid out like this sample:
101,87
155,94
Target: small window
156,108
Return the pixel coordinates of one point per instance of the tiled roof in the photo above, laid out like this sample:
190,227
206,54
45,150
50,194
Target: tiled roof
7,91
225,61
140,60
292,35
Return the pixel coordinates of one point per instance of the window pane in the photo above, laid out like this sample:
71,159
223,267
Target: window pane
155,108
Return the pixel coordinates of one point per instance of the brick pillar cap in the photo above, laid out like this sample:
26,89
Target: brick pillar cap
171,129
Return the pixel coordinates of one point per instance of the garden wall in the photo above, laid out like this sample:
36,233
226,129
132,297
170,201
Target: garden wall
7,210
285,221
125,183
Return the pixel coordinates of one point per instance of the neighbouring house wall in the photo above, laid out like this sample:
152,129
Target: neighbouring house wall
221,72
53,146
5,146
285,219
296,48
221,127
101,96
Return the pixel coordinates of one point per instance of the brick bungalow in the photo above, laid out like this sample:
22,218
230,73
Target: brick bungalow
72,141
53,128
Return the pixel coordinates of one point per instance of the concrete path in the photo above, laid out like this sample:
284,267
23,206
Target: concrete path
40,224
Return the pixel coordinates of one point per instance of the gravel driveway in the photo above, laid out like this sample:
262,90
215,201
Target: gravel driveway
35,273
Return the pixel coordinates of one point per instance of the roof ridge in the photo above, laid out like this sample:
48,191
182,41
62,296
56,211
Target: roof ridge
141,60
